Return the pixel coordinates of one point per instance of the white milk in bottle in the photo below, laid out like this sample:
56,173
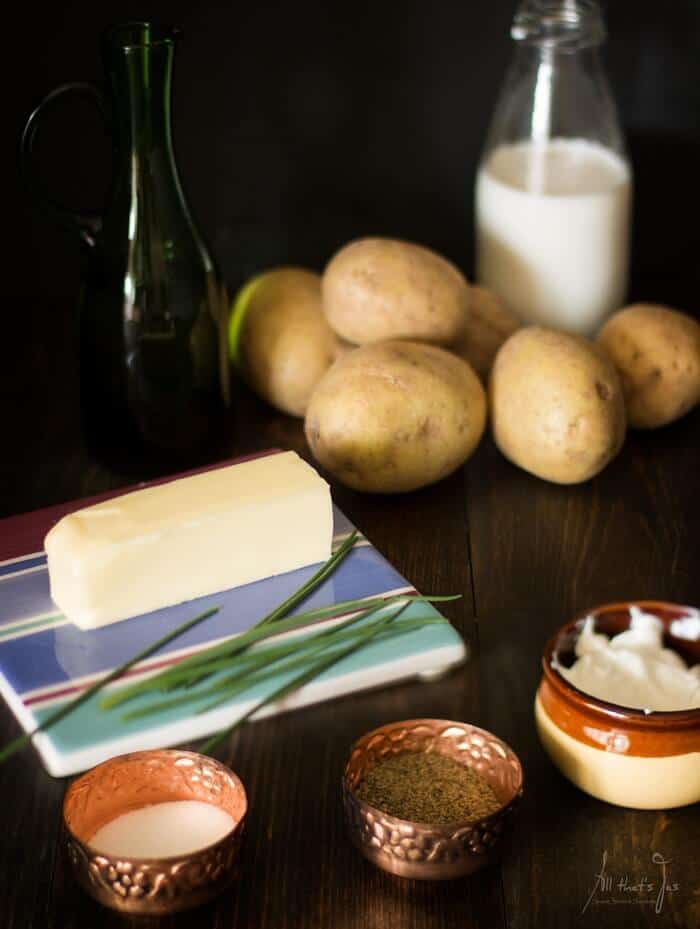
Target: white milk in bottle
552,227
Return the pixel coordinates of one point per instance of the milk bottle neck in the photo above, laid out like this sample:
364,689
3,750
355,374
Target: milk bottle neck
556,86
564,26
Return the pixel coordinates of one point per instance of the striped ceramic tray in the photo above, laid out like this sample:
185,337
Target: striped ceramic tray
46,660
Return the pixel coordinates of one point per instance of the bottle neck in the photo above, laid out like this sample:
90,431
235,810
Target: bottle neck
141,94
553,92
562,26
140,70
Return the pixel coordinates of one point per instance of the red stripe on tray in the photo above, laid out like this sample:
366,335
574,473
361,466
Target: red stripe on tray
166,662
132,672
24,534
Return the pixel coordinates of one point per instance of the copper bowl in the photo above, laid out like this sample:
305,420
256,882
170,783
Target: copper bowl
422,850
129,782
629,757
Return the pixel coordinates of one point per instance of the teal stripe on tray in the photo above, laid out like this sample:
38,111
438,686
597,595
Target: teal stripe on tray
29,626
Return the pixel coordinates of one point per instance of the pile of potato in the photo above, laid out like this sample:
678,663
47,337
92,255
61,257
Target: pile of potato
384,355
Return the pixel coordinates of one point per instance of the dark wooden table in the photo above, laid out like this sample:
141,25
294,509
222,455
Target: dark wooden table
526,556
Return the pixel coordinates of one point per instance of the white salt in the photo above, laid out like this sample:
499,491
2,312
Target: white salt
163,830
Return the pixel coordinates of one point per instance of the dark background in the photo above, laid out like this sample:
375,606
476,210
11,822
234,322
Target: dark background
300,125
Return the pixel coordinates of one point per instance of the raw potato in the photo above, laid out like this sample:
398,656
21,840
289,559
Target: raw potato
657,352
395,416
341,347
556,405
279,337
377,289
489,324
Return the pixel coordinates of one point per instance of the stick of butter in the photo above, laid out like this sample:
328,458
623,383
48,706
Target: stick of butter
197,535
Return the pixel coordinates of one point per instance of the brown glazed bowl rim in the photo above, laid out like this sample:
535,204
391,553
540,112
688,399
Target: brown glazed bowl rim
161,859
638,718
434,827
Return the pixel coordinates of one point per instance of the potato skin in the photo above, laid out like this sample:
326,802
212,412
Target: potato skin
283,344
341,347
657,353
556,405
395,416
377,289
489,324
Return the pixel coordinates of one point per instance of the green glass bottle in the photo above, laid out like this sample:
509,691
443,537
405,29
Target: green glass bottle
152,317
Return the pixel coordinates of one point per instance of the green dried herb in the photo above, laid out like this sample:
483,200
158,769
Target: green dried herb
428,787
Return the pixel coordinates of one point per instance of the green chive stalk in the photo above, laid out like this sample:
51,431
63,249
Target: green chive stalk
307,675
270,663
63,711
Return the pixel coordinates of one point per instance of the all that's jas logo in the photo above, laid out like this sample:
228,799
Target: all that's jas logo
645,889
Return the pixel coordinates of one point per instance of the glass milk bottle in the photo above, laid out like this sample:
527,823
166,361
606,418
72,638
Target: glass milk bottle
553,189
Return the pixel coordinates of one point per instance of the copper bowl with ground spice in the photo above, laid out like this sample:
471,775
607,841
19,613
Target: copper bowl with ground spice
442,850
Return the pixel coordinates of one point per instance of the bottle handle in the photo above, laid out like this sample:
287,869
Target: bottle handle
86,223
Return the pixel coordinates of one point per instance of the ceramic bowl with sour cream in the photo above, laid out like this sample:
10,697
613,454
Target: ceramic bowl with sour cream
618,706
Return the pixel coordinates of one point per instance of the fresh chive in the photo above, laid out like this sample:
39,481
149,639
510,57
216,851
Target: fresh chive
192,670
18,743
309,674
313,582
269,665
263,655
395,629
185,677
313,638
239,642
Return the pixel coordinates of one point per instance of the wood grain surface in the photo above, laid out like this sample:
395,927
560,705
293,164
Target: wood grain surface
525,555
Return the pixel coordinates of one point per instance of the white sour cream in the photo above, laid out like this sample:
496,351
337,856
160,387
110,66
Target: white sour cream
633,668
687,628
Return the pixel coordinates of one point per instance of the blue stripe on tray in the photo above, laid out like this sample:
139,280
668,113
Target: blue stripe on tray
19,564
24,595
57,655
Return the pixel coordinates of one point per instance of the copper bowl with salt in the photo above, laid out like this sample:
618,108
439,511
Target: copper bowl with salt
131,782
423,850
